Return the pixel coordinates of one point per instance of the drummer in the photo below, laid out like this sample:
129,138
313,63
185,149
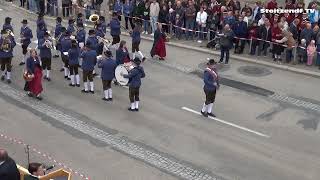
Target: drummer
122,53
134,77
108,66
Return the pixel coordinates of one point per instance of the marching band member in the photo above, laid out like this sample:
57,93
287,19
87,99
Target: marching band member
115,29
122,54
57,34
45,55
92,40
34,68
108,66
211,84
59,48
71,29
101,30
65,47
7,43
7,24
79,18
136,38
41,22
159,46
89,57
41,28
81,35
26,36
135,76
74,54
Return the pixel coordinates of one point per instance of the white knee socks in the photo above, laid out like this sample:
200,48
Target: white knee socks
106,96
91,86
78,79
204,107
85,84
110,93
8,75
137,104
72,79
210,107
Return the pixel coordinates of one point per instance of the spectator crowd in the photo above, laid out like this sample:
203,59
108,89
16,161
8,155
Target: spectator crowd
292,36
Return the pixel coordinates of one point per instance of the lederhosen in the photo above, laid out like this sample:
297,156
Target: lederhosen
106,84
211,94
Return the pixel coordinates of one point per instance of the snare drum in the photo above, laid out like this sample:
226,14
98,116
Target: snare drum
123,69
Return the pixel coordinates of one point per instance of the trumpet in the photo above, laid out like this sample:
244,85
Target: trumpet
48,44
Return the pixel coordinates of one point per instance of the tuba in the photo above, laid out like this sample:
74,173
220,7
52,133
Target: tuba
94,18
6,44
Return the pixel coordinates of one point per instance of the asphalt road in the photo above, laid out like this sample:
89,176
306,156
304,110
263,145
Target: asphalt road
257,136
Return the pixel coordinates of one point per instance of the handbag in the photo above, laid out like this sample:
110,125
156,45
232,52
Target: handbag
27,76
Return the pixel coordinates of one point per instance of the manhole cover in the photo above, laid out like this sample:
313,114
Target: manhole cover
254,71
220,67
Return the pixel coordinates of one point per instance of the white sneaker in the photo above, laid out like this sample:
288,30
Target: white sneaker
151,34
143,32
199,41
146,32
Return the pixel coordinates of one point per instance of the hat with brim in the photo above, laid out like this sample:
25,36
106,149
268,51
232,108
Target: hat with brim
108,53
24,21
137,61
211,62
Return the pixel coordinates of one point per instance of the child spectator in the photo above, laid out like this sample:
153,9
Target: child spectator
311,52
302,51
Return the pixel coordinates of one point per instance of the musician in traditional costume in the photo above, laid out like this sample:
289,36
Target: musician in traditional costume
71,28
92,40
59,48
159,46
41,28
108,66
89,61
81,35
26,36
211,84
115,29
136,39
35,71
7,24
122,53
45,55
74,54
134,77
57,35
101,30
7,43
79,18
65,47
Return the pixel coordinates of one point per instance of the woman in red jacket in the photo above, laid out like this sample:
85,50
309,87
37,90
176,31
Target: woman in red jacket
276,34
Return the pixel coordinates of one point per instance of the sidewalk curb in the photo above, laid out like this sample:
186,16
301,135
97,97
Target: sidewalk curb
239,58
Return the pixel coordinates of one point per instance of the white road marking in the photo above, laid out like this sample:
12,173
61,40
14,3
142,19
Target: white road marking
228,123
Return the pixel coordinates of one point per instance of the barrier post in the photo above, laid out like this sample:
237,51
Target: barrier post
250,46
295,55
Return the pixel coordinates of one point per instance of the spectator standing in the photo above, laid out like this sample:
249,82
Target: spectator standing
276,47
154,14
127,12
201,22
306,33
53,7
294,28
272,4
164,18
66,8
226,40
284,23
229,19
98,6
35,170
8,168
311,50
246,9
253,35
266,35
118,6
256,15
302,51
314,16
315,32
240,30
190,16
262,20
139,10
146,17
178,23
318,52
290,43
32,5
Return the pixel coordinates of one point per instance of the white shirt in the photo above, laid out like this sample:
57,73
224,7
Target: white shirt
202,17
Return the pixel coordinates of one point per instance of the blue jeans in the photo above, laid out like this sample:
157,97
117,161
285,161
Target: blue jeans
54,8
189,25
37,6
32,5
154,20
146,25
224,50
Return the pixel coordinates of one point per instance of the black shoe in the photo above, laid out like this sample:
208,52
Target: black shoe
137,110
22,63
39,98
221,61
211,114
226,62
143,59
110,99
84,91
66,77
9,81
115,83
204,114
105,99
62,69
95,74
56,56
30,94
78,85
48,79
72,85
92,92
161,59
129,109
2,78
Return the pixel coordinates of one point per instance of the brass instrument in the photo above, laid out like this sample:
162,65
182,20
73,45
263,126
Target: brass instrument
48,44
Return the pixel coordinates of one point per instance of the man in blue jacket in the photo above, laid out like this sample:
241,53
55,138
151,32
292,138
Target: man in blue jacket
89,61
211,84
7,24
71,29
45,55
108,66
127,11
7,43
241,31
92,40
134,77
57,35
26,36
65,47
81,35
115,29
